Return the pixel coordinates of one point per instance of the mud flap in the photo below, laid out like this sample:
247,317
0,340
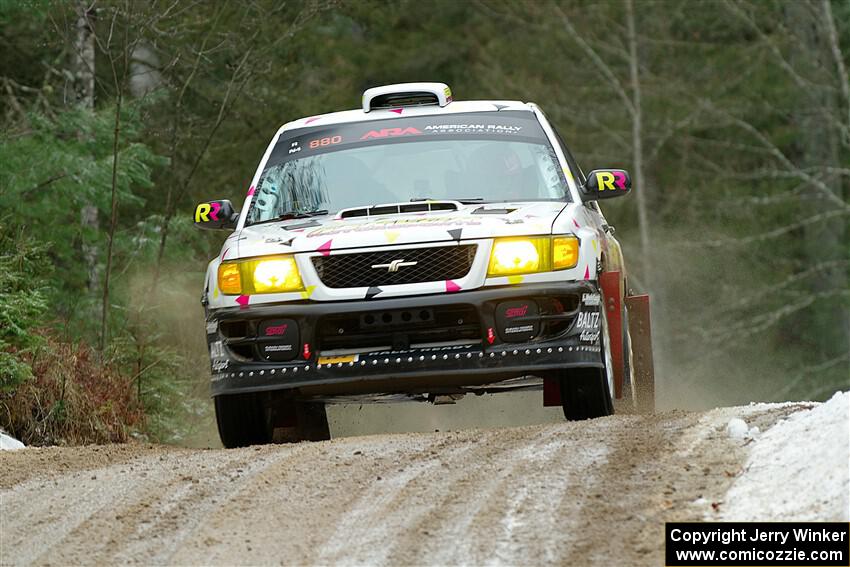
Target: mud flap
641,336
612,288
551,392
612,291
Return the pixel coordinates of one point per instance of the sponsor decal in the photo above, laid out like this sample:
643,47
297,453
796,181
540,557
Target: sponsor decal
394,224
389,132
516,312
219,365
472,129
323,142
294,148
217,350
212,327
277,348
207,211
611,180
491,335
587,321
276,330
589,336
520,329
590,298
339,359
413,351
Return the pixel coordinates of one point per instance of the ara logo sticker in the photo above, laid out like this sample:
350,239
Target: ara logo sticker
388,132
611,180
207,211
588,321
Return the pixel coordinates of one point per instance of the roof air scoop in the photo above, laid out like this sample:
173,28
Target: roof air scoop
399,209
406,94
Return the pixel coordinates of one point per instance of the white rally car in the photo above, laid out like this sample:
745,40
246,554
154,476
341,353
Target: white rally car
418,248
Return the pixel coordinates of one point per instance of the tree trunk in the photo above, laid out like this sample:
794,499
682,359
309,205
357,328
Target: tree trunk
817,114
637,150
82,69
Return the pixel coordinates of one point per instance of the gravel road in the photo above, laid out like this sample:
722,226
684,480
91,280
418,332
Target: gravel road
568,493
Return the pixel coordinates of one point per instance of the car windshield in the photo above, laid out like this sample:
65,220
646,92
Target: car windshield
477,157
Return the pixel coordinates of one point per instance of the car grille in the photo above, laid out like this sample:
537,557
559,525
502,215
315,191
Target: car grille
432,264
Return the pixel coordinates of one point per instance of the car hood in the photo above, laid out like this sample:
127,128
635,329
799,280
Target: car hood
469,222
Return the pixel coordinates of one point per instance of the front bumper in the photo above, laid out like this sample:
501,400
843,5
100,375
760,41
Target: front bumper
483,356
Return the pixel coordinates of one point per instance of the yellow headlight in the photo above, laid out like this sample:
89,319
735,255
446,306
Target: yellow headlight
564,252
273,274
519,256
512,256
229,280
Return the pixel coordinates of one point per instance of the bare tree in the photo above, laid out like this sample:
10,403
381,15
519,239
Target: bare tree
82,70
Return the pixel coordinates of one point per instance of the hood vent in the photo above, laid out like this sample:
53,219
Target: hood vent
486,211
406,94
399,208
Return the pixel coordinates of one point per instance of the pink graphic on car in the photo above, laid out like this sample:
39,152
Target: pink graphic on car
325,249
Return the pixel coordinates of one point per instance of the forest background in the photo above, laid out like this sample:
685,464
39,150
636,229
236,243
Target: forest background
733,117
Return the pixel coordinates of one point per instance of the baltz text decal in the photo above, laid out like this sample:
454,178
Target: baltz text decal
587,321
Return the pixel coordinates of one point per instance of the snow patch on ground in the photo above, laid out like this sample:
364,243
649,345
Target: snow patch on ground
737,428
797,470
8,443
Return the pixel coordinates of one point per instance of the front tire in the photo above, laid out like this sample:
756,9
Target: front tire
242,420
586,392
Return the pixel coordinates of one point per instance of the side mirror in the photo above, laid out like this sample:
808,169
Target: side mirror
606,183
216,215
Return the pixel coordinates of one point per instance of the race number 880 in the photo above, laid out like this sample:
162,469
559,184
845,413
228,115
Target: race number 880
322,142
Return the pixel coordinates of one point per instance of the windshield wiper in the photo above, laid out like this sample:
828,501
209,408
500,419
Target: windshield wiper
293,215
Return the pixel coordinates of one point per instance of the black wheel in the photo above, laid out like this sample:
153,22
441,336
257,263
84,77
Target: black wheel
242,420
585,394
